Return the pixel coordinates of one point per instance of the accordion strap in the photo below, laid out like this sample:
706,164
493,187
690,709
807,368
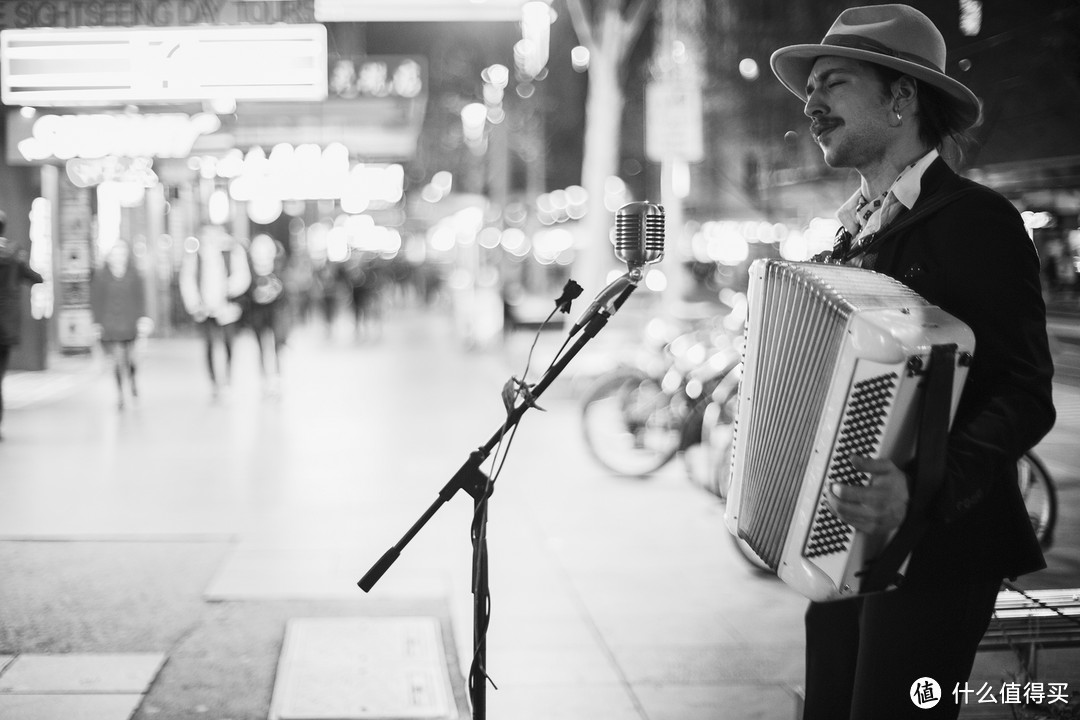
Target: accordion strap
884,570
842,253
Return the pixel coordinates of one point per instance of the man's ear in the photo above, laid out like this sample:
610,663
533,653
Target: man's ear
904,92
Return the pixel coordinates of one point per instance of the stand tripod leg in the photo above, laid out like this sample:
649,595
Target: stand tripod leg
481,606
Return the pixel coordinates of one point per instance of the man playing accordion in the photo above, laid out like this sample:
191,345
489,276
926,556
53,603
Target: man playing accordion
880,102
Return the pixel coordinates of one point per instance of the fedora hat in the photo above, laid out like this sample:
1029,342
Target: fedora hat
895,36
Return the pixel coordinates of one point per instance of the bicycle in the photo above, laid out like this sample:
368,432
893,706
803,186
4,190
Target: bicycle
1040,496
637,417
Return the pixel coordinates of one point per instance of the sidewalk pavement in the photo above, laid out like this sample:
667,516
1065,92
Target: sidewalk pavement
198,530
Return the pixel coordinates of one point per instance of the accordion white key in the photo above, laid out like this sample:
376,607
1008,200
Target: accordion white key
833,367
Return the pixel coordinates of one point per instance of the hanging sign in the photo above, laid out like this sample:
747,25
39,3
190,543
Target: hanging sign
151,13
50,67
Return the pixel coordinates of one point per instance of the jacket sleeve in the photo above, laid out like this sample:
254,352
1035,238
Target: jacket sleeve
993,284
139,291
189,283
96,299
239,272
28,273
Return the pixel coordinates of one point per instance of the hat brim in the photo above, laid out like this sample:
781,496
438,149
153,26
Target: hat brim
792,66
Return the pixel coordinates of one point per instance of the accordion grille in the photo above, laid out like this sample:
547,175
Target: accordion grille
800,325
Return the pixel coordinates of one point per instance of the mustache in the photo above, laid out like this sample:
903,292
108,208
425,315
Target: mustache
820,124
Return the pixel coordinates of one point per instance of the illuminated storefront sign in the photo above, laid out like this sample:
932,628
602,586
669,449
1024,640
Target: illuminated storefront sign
395,76
153,13
49,67
418,10
47,138
41,258
311,172
74,318
375,107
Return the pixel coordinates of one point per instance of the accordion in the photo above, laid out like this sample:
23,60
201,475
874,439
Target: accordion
834,366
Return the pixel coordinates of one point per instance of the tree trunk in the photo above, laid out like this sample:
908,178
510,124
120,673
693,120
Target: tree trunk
603,119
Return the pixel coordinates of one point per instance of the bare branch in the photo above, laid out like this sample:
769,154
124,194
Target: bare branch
581,23
633,24
635,18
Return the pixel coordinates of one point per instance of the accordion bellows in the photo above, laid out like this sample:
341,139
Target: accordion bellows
833,366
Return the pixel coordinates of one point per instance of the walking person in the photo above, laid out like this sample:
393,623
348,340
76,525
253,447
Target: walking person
268,306
213,279
880,102
118,303
365,278
14,272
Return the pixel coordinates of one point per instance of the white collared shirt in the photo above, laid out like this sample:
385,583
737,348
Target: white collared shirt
862,217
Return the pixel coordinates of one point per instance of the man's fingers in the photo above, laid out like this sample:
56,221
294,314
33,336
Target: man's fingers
856,494
864,464
870,465
851,512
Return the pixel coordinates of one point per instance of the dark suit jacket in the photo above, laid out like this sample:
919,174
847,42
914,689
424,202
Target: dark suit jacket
964,248
14,271
117,303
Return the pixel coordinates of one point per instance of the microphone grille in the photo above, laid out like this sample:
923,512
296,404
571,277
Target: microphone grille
627,232
654,232
639,232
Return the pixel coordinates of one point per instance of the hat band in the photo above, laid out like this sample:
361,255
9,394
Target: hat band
860,43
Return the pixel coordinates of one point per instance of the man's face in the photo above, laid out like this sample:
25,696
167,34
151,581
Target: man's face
848,111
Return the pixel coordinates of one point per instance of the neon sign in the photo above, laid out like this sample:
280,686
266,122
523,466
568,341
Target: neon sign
154,13
49,67
377,76
64,137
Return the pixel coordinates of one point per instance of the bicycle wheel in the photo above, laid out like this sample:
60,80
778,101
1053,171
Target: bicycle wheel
1040,497
699,459
718,431
631,426
697,456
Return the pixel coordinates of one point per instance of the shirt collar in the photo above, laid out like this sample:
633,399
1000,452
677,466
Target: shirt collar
906,189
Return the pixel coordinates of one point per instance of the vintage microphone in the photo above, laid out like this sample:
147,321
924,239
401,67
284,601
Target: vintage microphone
639,234
639,240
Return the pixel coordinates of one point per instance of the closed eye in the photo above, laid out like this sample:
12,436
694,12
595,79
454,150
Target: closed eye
828,79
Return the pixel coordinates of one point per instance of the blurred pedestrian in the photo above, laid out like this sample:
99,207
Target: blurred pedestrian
118,303
213,280
366,281
268,306
14,271
331,284
879,102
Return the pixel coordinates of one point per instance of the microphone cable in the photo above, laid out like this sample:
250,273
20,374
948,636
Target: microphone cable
514,391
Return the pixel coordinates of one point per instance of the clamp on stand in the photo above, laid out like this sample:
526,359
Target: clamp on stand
473,481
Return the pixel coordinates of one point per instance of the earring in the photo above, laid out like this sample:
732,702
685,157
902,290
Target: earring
899,117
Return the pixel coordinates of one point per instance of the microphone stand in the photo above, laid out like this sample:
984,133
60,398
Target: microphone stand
473,481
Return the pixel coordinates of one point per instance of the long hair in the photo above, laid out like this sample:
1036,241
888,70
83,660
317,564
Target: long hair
940,119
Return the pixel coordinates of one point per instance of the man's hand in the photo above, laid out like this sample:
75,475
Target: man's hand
879,507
